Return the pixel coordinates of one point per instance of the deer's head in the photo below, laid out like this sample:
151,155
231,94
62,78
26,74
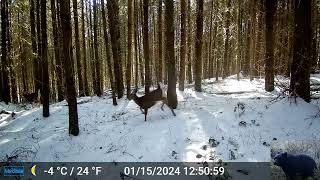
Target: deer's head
133,94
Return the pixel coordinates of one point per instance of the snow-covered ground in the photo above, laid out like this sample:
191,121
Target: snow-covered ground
230,120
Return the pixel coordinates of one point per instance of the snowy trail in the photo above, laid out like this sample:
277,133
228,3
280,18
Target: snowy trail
109,133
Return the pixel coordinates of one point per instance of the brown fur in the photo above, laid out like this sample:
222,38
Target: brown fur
147,101
31,97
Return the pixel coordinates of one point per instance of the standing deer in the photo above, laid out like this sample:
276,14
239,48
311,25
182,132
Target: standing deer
147,101
31,97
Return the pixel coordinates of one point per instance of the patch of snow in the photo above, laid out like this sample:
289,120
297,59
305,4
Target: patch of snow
119,133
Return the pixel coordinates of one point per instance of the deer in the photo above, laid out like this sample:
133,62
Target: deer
31,97
148,100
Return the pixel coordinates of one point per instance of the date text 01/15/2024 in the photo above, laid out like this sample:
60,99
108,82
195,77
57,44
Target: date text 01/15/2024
174,171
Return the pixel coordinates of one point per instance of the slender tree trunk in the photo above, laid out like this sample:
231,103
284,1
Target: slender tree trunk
39,75
113,14
109,63
56,46
129,57
59,68
182,74
96,50
4,61
259,54
210,62
44,60
300,68
290,37
198,46
171,65
77,43
146,45
34,46
252,38
12,74
84,51
160,60
92,54
22,55
226,62
218,52
246,68
136,30
314,34
239,38
189,68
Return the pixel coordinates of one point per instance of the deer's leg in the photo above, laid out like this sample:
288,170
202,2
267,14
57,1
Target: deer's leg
165,102
162,106
172,111
141,110
145,114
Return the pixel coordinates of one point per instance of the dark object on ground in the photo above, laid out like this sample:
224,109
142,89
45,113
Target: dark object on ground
13,114
243,123
31,97
174,153
213,142
147,101
232,156
266,144
295,165
4,112
204,147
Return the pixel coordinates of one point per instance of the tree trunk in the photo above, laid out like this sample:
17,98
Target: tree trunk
300,68
239,38
290,38
77,43
92,54
160,60
246,66
12,74
171,65
210,64
22,55
113,14
56,47
59,67
65,16
198,46
252,38
96,50
44,60
146,45
106,40
189,71
271,6
136,30
84,51
34,45
182,74
4,61
314,36
129,57
140,48
39,75
226,63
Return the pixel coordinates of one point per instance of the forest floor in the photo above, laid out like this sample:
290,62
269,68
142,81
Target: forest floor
230,120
